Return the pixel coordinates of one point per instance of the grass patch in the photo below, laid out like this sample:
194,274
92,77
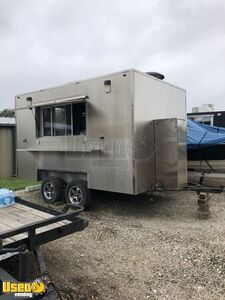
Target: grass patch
14,183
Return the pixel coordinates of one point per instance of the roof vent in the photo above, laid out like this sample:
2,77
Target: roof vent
156,74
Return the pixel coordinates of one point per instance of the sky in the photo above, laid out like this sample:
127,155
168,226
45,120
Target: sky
46,43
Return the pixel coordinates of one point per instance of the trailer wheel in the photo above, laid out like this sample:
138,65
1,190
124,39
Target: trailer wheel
77,193
51,189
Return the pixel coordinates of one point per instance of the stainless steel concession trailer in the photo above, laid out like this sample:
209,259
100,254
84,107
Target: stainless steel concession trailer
123,132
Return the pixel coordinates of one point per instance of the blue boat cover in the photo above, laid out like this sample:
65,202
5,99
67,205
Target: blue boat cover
201,135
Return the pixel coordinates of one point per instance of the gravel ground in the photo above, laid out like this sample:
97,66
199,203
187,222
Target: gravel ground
138,249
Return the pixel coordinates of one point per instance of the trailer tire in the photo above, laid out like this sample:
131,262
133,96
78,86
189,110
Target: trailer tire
77,193
51,189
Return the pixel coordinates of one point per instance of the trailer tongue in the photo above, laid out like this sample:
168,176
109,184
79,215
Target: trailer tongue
24,227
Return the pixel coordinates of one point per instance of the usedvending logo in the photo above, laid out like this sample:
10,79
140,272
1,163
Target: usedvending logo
22,289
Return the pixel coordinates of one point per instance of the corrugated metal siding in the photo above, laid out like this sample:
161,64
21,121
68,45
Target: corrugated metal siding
7,151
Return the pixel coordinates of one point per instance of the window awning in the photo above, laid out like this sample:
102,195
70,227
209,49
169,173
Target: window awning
78,99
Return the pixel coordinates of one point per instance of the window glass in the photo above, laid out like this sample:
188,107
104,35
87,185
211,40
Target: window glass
64,120
46,121
61,116
79,118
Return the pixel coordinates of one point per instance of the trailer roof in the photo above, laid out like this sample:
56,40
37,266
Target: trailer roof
102,76
7,122
213,112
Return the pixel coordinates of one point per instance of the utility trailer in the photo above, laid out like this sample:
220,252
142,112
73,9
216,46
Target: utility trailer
24,227
123,132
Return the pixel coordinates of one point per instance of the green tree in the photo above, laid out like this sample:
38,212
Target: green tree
8,113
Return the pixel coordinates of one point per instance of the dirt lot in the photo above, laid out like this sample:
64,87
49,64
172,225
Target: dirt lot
138,249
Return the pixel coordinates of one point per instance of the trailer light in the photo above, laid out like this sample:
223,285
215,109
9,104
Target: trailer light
29,102
107,84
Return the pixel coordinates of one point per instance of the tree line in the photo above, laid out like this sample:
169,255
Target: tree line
7,113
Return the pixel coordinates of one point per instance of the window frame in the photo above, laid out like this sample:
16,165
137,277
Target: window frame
52,129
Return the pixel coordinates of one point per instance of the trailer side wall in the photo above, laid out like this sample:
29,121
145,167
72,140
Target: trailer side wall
153,100
104,154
